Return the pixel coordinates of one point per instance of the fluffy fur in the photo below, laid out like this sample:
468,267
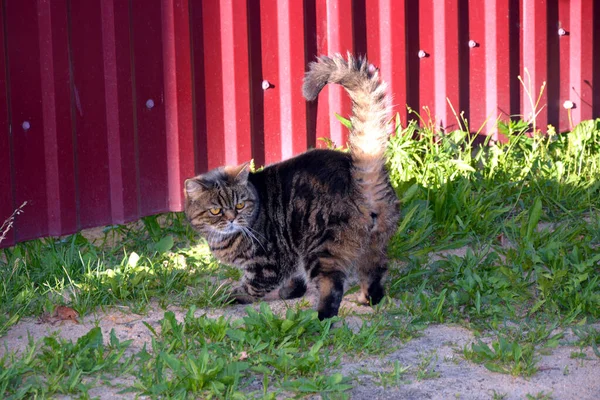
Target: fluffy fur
320,216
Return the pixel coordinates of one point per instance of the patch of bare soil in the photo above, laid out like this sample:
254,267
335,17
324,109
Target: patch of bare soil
435,366
560,376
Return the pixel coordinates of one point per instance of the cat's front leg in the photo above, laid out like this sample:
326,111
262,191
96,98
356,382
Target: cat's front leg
258,280
241,295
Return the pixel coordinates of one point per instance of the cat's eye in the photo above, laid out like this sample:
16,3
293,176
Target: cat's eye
239,206
215,211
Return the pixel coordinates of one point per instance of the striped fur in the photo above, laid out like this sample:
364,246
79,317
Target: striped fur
321,216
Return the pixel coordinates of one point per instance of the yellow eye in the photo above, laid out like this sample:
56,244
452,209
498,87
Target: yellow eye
215,211
239,206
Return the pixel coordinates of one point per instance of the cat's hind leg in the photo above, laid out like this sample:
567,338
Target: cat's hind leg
294,288
372,271
329,275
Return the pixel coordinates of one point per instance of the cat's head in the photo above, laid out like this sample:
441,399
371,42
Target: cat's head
221,201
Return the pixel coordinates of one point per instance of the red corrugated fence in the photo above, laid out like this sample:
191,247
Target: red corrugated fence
108,105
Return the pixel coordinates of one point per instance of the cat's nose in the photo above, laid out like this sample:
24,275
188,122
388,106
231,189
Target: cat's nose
229,214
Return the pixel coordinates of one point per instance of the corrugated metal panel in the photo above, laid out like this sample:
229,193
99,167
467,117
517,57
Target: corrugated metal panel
109,105
7,200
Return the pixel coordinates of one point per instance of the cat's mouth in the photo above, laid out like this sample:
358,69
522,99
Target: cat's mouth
230,228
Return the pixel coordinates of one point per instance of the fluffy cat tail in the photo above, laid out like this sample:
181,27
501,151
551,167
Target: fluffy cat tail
370,105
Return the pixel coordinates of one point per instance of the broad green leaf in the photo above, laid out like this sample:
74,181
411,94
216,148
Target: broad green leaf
173,363
536,306
517,351
495,368
462,165
409,193
336,378
286,325
92,339
407,218
165,244
236,335
534,217
595,349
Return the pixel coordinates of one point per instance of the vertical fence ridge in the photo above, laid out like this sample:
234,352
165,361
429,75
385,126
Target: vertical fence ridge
107,106
7,186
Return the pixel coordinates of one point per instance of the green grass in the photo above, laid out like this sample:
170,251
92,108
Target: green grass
504,355
500,238
395,377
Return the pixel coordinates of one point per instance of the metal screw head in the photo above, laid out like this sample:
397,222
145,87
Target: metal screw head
473,44
149,104
266,84
562,32
26,125
568,104
422,54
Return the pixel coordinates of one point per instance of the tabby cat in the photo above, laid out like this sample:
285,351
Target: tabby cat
323,215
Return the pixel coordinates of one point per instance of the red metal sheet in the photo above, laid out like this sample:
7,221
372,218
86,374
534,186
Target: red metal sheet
445,60
282,34
323,111
581,58
334,35
111,91
235,84
213,80
178,98
257,93
497,88
558,65
535,61
477,47
554,73
596,60
386,45
227,85
150,105
270,26
199,102
413,62
56,100
27,120
91,155
6,185
425,54
292,59
119,110
49,115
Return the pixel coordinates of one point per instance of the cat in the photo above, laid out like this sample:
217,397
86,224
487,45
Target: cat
323,215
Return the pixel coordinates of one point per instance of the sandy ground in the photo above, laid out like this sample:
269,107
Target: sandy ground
560,376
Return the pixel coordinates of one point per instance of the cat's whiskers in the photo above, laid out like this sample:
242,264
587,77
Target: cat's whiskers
256,233
247,233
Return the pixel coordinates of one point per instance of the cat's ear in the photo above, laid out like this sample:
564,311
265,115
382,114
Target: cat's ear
238,173
194,185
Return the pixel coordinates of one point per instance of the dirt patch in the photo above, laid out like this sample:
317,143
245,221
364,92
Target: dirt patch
560,376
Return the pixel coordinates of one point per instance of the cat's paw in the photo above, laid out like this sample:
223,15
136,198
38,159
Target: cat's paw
238,295
371,299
